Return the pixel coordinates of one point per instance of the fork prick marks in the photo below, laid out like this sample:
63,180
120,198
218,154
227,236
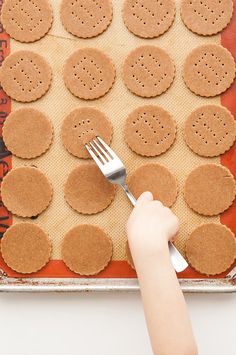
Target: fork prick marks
81,126
150,130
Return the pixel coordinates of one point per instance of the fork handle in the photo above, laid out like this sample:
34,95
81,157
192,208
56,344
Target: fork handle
178,261
129,195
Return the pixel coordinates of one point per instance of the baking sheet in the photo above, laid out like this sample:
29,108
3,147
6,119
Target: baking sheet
117,42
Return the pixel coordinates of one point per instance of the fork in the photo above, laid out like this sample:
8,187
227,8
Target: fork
114,170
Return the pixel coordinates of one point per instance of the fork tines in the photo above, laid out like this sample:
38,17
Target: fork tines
99,150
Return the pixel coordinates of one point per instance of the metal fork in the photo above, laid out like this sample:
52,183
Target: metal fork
114,170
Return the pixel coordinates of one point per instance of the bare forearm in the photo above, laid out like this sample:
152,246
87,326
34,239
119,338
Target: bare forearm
164,305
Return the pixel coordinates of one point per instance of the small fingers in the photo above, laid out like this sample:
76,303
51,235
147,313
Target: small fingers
145,197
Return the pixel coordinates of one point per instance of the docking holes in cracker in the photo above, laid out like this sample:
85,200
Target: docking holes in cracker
210,189
148,19
157,179
26,191
87,191
82,125
211,249
25,248
89,73
206,17
86,19
209,70
25,76
86,249
148,71
210,130
150,130
26,20
27,133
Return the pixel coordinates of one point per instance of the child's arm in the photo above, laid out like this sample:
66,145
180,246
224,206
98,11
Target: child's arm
149,228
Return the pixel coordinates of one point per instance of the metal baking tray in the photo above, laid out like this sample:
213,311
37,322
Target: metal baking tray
223,285
8,284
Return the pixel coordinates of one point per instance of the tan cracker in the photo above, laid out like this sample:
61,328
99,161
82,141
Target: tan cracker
26,191
206,17
89,73
150,130
210,189
211,248
210,130
82,125
27,133
25,248
87,191
148,19
86,249
148,71
26,20
157,179
86,19
25,76
209,70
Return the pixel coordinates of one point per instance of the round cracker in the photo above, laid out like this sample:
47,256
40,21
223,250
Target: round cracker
89,73
210,130
25,248
211,249
86,19
26,191
157,179
148,20
209,70
81,126
27,133
87,191
25,76
128,255
150,130
206,18
86,249
210,189
26,20
148,71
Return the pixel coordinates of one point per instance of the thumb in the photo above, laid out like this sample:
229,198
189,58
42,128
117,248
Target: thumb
145,197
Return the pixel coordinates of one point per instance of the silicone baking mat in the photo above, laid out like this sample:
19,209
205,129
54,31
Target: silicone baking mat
57,163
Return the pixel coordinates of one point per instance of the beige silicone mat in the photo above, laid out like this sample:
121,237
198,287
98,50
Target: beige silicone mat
117,41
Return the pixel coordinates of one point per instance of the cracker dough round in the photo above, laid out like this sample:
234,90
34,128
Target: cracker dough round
86,19
148,71
25,248
26,20
206,18
25,76
86,249
210,130
87,191
209,70
89,73
27,133
26,191
150,130
81,126
211,248
157,179
150,19
210,189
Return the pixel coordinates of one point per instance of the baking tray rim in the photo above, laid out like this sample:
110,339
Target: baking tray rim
7,284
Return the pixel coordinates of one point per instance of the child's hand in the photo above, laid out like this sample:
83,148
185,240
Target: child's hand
150,226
